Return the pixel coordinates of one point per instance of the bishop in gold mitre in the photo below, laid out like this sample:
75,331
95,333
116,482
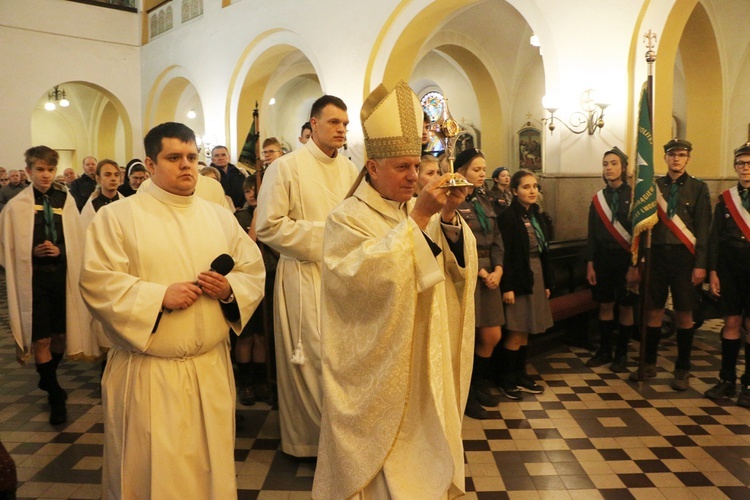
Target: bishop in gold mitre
397,329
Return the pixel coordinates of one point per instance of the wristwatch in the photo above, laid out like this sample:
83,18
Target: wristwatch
229,299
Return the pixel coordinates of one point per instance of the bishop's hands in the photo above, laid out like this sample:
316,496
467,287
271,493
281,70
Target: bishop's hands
433,199
184,294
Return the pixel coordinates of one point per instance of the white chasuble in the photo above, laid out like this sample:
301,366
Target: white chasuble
168,396
17,234
298,192
397,346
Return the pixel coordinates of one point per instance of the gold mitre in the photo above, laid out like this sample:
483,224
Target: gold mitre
392,122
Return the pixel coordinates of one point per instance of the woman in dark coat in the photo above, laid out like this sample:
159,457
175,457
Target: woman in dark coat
477,211
525,284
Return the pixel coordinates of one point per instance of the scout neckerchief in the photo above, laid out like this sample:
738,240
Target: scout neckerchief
540,239
481,214
50,231
609,219
737,206
674,223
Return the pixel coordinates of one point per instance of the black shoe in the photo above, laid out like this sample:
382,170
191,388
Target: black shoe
58,413
724,389
262,391
510,391
481,390
620,365
246,395
526,384
599,359
54,392
474,409
744,398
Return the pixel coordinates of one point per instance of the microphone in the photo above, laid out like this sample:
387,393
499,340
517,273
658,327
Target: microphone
222,264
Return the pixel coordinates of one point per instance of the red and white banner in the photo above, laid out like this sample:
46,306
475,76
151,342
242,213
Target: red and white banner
739,214
618,232
675,224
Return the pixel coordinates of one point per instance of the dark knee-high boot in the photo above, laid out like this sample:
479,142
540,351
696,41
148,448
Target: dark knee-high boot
260,382
56,395
480,382
727,385
507,369
604,354
620,361
523,381
744,398
245,391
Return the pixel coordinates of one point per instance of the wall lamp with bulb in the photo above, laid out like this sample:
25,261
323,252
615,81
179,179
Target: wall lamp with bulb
590,120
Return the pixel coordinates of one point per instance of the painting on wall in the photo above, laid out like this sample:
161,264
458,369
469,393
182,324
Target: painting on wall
529,148
128,5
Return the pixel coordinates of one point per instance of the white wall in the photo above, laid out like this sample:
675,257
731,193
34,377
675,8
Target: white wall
47,42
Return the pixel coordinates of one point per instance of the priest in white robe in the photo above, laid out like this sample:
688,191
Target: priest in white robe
168,390
299,190
397,322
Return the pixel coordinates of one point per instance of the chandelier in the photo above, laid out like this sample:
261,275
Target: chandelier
56,96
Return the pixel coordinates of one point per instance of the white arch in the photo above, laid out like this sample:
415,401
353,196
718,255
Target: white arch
262,43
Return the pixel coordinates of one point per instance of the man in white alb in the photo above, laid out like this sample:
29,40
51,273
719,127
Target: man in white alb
298,192
168,391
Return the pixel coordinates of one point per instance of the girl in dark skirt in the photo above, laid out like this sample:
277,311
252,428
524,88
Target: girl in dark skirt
525,283
478,213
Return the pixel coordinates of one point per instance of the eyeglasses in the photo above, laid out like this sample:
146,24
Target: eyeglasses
270,151
740,164
677,155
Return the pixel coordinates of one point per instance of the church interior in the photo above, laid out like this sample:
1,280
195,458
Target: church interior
548,85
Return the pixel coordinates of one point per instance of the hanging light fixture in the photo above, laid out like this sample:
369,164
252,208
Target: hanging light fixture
56,96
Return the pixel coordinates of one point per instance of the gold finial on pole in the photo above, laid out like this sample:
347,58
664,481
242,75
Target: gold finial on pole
650,41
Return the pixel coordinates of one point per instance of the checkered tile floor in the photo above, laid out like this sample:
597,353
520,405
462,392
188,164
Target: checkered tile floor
592,434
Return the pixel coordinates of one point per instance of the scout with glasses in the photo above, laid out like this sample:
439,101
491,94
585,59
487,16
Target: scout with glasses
271,150
729,271
679,258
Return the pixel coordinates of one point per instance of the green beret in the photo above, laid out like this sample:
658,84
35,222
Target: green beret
742,150
617,151
496,173
678,144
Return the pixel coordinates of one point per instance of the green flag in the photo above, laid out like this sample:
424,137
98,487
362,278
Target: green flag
247,155
643,212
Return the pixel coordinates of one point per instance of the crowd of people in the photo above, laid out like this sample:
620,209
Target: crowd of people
394,305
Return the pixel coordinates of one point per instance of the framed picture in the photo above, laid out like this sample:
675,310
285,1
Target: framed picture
128,5
529,148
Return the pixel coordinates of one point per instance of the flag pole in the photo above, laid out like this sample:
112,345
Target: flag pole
650,38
